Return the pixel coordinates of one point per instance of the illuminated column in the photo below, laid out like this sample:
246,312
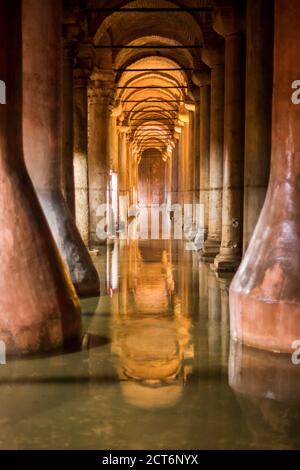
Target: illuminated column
98,154
259,75
213,56
39,310
81,157
123,177
42,139
264,295
229,22
196,157
204,82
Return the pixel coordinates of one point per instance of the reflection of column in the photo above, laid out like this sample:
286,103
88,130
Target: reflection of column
81,158
259,74
224,288
214,314
213,55
39,310
267,388
264,295
98,155
42,140
229,22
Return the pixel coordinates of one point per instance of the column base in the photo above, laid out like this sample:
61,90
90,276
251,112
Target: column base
226,263
263,324
211,249
72,249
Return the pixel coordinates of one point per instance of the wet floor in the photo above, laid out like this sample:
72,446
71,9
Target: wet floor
157,370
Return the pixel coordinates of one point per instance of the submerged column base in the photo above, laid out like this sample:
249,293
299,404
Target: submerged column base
263,324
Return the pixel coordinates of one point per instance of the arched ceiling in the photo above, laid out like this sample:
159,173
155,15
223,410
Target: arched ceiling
153,69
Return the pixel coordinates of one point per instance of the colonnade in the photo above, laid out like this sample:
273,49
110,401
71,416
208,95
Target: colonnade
89,116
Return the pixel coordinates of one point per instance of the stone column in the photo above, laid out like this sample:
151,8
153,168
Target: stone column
259,74
123,177
229,22
196,150
98,158
67,169
42,136
204,82
264,295
213,56
39,309
189,183
81,158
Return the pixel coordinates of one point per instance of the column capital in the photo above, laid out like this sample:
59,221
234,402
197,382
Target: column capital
229,17
84,60
201,78
101,92
213,52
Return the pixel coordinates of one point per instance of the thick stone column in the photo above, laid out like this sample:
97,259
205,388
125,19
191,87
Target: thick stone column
39,309
42,136
81,158
98,158
229,22
196,151
213,56
204,82
265,295
123,160
67,169
259,75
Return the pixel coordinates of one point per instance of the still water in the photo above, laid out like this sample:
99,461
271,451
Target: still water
156,369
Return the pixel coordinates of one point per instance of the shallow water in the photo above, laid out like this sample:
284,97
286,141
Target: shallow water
157,369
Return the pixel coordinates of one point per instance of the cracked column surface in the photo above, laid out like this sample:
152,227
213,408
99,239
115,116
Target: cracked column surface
265,292
39,309
42,135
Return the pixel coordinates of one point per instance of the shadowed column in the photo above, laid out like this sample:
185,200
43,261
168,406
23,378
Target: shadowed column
98,157
39,309
42,135
259,75
229,22
265,294
213,56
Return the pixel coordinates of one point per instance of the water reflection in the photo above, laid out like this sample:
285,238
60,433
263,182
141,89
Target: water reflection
267,387
151,334
153,371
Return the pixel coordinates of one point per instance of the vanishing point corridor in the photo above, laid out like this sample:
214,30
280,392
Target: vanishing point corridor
149,224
